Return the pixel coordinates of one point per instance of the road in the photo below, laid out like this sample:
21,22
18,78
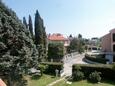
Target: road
70,60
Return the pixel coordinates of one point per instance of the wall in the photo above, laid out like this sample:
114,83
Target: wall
106,43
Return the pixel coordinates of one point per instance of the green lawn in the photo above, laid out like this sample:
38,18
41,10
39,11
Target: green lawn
43,81
86,83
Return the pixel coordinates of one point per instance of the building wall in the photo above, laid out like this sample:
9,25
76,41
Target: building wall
106,43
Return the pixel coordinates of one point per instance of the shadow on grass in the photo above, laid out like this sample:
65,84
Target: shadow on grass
35,77
52,75
112,82
106,81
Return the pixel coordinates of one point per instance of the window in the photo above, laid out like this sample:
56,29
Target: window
113,48
113,37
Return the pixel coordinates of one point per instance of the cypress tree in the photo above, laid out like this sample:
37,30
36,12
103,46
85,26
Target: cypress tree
30,25
40,36
24,22
44,38
38,29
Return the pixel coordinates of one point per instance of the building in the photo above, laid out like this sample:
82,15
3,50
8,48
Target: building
93,45
58,38
108,45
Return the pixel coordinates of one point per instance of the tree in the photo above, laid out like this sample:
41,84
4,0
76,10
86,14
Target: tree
44,37
30,25
73,46
24,22
79,36
76,45
38,29
40,36
17,50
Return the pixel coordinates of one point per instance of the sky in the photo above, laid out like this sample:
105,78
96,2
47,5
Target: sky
91,18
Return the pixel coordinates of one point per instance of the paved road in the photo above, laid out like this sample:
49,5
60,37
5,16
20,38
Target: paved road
69,61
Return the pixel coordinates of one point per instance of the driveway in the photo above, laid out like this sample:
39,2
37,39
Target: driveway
70,60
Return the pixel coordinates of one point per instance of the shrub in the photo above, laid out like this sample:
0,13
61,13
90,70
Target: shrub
106,70
77,75
77,67
95,77
113,66
51,67
96,59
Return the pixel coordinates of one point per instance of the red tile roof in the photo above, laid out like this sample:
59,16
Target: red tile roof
2,83
56,37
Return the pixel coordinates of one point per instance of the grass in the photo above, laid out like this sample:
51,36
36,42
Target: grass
42,81
86,83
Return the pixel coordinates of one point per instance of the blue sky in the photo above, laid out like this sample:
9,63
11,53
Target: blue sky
91,18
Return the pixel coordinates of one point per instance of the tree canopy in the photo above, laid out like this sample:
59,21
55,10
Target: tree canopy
17,49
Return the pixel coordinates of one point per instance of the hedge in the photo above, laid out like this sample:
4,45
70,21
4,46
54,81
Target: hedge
52,66
96,59
106,70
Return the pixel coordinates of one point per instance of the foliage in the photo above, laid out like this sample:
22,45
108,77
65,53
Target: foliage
73,45
76,45
79,36
30,25
38,29
77,75
40,36
25,23
55,51
113,66
51,67
106,70
95,77
42,53
96,59
17,49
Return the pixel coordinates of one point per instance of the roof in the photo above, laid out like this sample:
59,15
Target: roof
57,37
2,83
112,30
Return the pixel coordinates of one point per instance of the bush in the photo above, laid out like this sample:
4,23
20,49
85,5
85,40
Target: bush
96,59
51,67
113,66
95,77
106,70
77,75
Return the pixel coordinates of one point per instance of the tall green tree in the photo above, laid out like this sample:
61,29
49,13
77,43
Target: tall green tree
44,37
73,45
30,25
38,29
17,50
79,36
76,44
40,36
25,23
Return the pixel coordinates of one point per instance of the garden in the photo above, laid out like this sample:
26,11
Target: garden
90,75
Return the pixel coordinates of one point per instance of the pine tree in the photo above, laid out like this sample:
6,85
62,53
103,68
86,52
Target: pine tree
24,22
30,25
